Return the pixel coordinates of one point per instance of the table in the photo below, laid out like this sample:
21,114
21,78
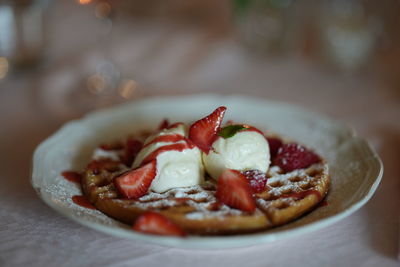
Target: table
181,61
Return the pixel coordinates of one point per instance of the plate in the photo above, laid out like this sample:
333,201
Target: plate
355,168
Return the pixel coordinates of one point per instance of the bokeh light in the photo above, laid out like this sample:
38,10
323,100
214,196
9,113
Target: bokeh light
127,88
102,10
84,2
3,67
96,84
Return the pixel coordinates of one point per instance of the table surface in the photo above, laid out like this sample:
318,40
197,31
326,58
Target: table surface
176,60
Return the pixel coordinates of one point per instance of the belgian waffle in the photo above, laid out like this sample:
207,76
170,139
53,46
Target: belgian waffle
195,209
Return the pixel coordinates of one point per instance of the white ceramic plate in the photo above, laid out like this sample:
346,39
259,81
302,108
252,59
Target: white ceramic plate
355,168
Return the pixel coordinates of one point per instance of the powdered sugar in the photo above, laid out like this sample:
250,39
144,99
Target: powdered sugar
61,194
100,153
294,181
205,213
204,204
196,197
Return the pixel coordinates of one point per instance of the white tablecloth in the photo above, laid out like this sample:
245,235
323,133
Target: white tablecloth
178,61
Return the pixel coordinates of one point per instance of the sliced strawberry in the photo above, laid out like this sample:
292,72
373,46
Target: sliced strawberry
157,224
135,183
274,145
294,156
204,132
132,148
257,180
233,189
164,124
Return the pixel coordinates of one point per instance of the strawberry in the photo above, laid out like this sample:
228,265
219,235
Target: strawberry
204,131
155,223
294,156
233,189
274,145
132,148
164,124
135,183
257,180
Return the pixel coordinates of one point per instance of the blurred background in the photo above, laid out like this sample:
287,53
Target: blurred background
62,59
72,56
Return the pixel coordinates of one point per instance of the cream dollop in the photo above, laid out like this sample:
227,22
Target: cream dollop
246,150
174,168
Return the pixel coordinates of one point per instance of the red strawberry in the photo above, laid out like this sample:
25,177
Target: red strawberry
155,223
233,189
293,156
203,132
132,148
135,183
257,180
164,124
274,145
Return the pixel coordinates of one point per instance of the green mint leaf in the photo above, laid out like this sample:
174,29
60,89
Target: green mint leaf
231,130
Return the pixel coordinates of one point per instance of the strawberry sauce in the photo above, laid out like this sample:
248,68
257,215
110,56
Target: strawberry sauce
164,124
173,147
72,176
323,203
166,138
83,202
132,148
252,129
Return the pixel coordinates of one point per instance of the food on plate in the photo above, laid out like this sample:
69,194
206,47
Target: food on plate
205,178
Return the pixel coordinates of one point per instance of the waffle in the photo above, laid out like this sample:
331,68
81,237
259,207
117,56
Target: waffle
195,209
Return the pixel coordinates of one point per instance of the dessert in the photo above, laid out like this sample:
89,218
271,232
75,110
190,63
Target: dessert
178,163
246,149
205,179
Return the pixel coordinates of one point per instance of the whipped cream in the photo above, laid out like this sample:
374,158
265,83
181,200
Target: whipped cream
246,150
174,168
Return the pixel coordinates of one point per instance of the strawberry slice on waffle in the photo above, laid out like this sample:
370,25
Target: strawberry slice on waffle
155,223
293,156
234,190
135,183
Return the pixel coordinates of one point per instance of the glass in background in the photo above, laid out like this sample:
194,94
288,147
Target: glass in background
97,79
340,34
22,34
347,34
265,26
